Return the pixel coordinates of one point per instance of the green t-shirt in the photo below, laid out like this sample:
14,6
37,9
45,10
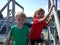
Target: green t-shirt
19,35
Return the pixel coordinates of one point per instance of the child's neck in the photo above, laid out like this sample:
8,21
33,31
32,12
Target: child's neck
20,26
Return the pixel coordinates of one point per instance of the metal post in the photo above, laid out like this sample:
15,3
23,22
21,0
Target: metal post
5,6
56,15
19,5
49,4
55,5
7,27
56,20
13,10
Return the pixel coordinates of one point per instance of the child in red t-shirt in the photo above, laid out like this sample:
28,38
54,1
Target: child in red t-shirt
39,21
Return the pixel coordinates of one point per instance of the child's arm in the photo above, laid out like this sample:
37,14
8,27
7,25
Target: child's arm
8,42
49,20
45,18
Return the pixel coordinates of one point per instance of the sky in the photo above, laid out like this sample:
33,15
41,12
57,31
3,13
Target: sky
30,6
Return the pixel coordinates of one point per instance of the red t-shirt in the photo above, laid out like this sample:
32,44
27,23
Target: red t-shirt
37,29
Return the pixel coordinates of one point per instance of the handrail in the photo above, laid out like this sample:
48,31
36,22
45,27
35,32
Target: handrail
7,36
19,6
8,3
50,35
4,22
13,13
5,6
56,19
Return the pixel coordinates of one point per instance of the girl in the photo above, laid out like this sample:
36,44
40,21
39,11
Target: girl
39,21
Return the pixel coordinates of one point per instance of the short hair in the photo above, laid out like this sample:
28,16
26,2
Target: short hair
38,10
20,14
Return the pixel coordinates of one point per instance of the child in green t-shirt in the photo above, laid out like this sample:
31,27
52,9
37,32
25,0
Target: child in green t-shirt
19,32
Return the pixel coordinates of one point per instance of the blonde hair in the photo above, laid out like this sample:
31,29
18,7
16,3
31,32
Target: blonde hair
38,10
20,14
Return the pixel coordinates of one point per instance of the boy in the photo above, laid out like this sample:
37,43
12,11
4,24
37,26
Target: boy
19,32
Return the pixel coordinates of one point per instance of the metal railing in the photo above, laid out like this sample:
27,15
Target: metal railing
56,18
51,37
56,22
8,14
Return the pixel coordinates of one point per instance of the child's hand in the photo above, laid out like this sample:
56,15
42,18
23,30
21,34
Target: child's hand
50,18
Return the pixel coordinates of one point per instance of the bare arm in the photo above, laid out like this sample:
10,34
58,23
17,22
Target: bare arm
49,20
45,18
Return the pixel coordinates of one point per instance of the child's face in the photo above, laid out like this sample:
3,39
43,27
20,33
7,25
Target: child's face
40,14
20,20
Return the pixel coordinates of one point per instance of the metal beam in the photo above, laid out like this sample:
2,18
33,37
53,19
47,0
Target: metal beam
19,5
13,11
56,5
5,6
49,4
56,19
7,27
